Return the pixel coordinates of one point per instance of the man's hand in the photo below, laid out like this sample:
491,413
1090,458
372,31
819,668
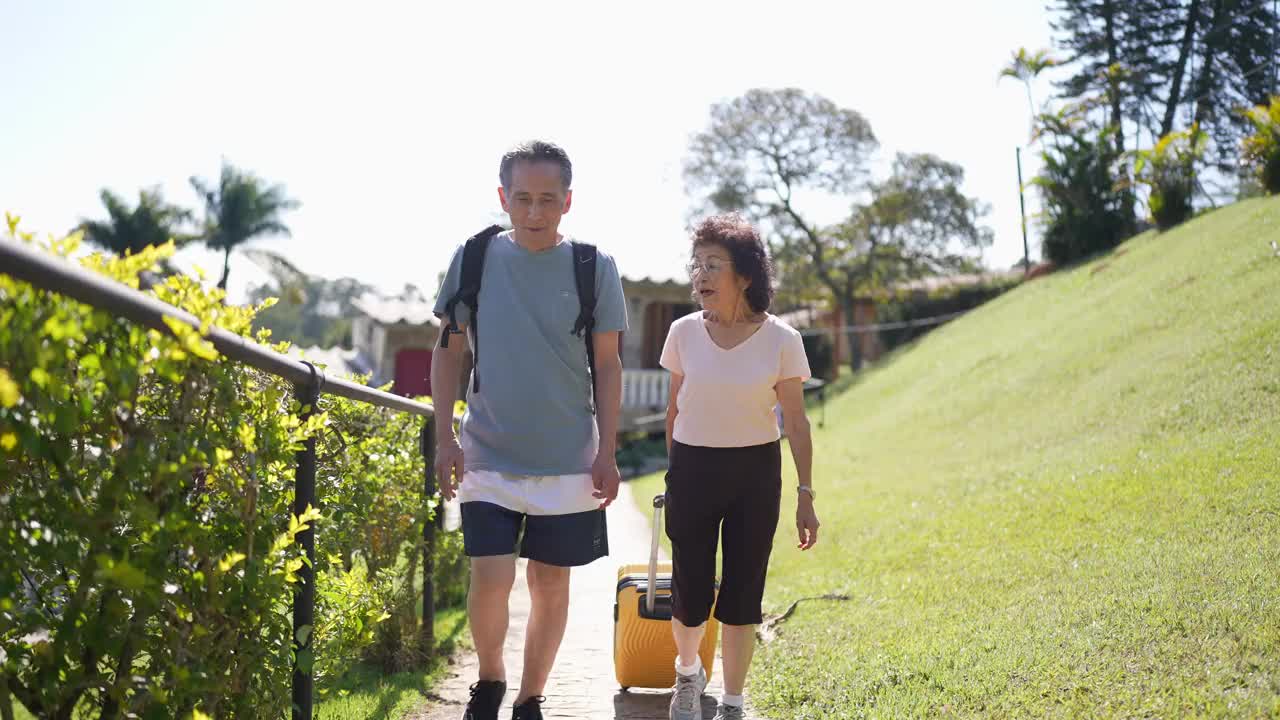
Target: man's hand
605,478
806,523
449,464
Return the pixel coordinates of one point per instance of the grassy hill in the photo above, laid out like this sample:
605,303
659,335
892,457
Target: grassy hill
1066,503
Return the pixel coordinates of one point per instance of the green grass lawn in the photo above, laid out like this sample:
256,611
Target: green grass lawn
1066,503
366,694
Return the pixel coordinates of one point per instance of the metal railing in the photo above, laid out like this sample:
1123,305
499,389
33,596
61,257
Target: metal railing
52,273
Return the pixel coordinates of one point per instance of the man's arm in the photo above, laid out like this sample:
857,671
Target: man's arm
604,472
446,372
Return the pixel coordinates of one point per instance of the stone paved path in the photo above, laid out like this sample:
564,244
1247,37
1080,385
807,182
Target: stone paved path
582,684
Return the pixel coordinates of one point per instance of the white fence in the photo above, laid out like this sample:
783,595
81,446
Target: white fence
645,389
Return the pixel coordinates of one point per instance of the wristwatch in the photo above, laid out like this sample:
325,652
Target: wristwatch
807,489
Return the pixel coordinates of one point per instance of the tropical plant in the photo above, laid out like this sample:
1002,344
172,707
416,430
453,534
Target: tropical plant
1084,211
1168,169
1262,146
1025,66
130,230
240,207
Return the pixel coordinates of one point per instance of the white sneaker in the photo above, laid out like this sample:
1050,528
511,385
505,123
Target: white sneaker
729,712
686,696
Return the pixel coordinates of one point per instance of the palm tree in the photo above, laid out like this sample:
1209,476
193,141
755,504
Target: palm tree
241,207
1025,67
129,230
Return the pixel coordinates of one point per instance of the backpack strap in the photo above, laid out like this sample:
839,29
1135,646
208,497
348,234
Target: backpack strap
469,292
584,276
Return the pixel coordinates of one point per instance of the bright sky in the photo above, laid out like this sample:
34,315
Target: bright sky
387,120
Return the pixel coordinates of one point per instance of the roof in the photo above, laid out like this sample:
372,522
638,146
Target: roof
803,318
333,360
661,290
938,282
654,283
396,310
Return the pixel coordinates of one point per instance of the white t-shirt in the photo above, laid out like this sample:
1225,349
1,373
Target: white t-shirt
728,397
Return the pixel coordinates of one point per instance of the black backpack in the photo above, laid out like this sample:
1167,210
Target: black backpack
584,277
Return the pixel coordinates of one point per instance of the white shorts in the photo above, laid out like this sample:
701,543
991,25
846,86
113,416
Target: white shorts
529,494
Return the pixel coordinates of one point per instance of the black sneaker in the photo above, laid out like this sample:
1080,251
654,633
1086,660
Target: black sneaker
530,709
486,698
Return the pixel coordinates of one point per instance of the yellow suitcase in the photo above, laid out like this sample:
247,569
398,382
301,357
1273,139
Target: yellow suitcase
644,653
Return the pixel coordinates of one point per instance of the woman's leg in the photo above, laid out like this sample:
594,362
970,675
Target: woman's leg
688,640
693,511
749,527
738,644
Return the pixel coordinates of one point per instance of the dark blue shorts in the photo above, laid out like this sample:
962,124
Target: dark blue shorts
564,540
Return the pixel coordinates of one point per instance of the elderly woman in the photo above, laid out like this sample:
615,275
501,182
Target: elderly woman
731,363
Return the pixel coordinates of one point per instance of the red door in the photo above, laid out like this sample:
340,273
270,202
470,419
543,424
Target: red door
413,372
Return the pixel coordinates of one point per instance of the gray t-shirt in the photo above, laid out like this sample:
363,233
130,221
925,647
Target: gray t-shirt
532,415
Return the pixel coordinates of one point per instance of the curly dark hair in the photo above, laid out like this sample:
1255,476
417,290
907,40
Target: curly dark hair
746,249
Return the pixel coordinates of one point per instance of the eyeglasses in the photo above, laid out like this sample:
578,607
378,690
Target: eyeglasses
710,267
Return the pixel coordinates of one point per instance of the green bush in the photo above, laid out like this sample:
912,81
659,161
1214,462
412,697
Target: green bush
637,448
1085,212
944,301
371,476
147,553
1262,147
1169,171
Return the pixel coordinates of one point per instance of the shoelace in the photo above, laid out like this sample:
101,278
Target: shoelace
686,693
532,704
732,712
475,690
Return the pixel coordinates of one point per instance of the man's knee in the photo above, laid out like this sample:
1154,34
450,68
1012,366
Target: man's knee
548,581
493,575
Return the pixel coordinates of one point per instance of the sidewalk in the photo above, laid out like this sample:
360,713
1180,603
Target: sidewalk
582,684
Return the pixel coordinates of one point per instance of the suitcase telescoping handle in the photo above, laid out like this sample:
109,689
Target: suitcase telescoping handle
659,501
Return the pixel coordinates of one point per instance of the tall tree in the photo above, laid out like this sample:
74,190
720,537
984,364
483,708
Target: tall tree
312,311
239,208
1118,51
1235,59
1152,59
917,224
763,151
128,230
1174,98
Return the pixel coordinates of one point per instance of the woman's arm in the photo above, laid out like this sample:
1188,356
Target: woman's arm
796,425
676,380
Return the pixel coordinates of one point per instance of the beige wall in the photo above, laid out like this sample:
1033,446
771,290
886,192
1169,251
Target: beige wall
379,343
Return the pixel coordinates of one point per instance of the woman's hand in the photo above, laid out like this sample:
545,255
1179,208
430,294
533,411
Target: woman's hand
806,522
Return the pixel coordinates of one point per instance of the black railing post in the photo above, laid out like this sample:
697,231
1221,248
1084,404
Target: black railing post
304,596
427,633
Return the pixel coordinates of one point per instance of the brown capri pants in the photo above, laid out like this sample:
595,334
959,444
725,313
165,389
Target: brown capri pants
729,497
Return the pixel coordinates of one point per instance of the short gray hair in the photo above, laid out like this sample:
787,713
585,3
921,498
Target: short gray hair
536,151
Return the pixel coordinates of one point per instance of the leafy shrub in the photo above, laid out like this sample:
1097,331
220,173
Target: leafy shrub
1262,147
943,301
147,543
1084,210
1169,171
635,449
